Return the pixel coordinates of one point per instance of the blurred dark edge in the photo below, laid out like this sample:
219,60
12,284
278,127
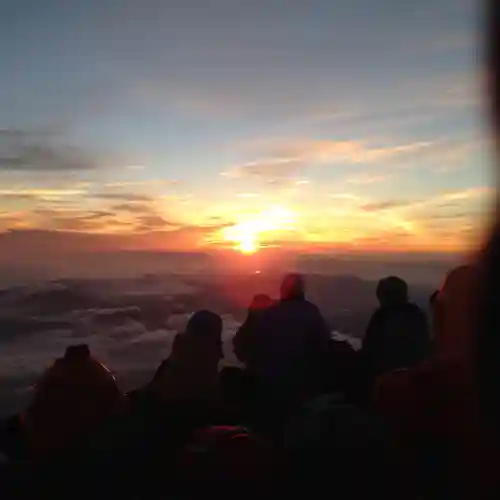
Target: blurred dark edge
488,338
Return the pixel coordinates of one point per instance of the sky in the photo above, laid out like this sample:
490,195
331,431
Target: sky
185,125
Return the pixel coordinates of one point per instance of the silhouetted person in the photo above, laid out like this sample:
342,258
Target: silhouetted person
244,340
73,398
190,374
340,369
291,342
397,335
432,407
239,383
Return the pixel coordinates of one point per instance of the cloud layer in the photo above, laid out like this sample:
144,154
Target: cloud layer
21,151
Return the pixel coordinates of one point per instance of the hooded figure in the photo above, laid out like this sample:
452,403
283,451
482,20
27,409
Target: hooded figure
191,373
433,408
73,398
398,333
244,340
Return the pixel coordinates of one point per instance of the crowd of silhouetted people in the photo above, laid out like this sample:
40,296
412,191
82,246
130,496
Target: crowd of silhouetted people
304,409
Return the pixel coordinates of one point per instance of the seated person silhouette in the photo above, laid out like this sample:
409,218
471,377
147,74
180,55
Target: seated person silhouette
73,398
398,332
191,373
432,406
239,382
244,340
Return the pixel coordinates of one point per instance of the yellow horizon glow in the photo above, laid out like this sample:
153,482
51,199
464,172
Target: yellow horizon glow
339,221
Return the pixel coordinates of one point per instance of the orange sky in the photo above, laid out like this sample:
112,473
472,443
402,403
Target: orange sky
157,127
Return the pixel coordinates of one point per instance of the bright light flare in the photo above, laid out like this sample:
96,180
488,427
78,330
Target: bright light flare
248,244
247,235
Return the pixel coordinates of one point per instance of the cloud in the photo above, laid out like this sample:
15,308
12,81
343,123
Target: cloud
72,224
464,194
356,152
145,182
441,200
270,170
39,194
9,220
367,179
97,214
6,196
153,222
63,234
69,219
287,160
386,205
75,213
122,196
21,151
133,208
72,220
146,216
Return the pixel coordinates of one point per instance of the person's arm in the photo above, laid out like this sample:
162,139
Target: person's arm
159,372
166,362
368,351
317,341
240,342
424,337
322,332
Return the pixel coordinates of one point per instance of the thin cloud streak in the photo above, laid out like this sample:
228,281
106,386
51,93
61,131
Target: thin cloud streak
122,197
290,159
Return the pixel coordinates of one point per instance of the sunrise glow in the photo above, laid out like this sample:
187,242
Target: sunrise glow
248,235
214,146
248,245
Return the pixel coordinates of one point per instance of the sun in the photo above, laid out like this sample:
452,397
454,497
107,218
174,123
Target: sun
247,235
248,244
244,236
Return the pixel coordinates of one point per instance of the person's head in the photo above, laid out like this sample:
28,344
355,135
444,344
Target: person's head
78,352
205,324
392,291
292,287
260,303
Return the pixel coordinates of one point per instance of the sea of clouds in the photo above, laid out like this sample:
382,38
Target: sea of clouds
116,335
